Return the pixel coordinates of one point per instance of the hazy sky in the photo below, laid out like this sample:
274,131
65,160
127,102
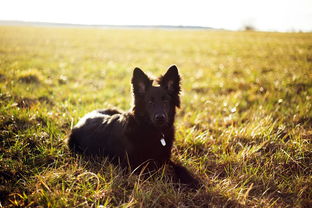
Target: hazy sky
277,15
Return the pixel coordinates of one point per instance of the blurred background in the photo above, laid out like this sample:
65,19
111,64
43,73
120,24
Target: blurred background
264,15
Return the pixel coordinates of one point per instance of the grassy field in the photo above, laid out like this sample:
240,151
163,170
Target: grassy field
244,126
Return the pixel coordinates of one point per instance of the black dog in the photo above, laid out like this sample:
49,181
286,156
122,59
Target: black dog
141,138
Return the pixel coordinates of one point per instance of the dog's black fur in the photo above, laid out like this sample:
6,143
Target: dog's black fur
134,138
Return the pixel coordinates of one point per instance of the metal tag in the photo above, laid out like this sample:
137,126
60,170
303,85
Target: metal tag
163,142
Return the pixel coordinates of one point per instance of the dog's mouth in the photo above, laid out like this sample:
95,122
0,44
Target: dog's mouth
160,123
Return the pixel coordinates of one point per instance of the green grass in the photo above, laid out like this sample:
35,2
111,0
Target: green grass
244,126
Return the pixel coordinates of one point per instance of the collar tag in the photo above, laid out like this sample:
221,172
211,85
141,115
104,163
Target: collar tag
163,142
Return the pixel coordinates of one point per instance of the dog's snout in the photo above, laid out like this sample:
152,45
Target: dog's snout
160,117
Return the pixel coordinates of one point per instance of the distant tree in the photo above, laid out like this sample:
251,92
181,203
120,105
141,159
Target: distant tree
249,28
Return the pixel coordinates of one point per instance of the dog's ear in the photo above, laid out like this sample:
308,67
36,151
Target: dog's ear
140,82
171,82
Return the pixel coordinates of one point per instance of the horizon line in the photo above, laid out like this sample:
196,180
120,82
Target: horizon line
128,26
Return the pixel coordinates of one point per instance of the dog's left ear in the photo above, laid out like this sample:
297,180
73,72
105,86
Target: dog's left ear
171,82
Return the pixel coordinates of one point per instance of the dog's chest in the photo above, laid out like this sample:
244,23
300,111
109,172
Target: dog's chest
152,146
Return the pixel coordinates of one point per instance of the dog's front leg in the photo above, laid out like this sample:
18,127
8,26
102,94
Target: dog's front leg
184,176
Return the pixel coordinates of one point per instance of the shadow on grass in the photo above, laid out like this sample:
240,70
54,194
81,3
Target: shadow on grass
155,189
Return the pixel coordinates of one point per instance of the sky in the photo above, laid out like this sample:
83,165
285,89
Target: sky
267,15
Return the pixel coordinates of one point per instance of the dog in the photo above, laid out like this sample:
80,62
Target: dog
142,137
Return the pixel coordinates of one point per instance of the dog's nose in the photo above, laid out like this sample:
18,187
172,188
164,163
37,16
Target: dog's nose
159,117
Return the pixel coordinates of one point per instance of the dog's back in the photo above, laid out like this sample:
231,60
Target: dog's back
99,133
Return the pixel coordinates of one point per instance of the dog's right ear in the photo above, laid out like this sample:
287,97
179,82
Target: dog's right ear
140,82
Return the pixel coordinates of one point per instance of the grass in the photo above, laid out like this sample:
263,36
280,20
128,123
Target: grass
244,128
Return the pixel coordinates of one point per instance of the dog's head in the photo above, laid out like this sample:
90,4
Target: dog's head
156,103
